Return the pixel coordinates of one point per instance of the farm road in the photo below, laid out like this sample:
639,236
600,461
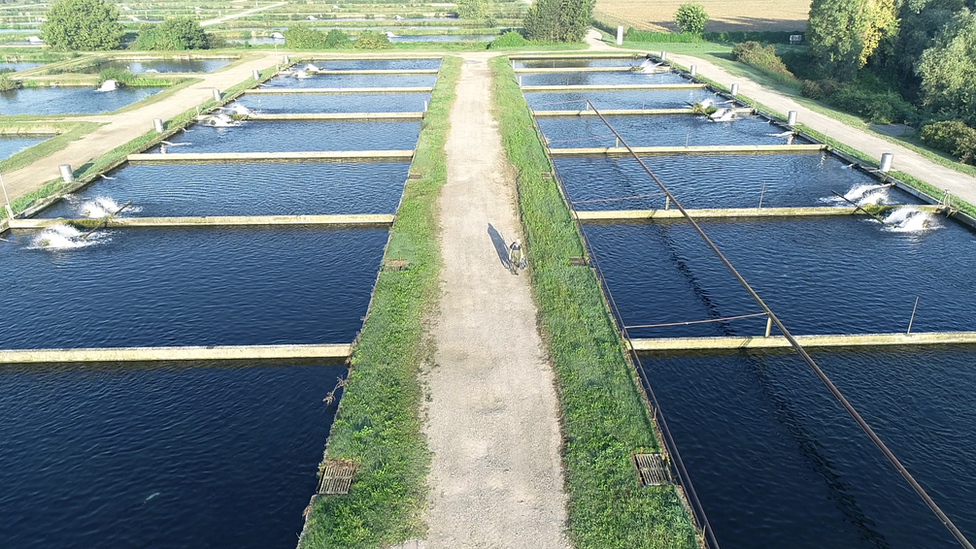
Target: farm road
905,160
493,427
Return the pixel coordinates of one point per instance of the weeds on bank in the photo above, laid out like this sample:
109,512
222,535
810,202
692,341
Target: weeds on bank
378,424
604,419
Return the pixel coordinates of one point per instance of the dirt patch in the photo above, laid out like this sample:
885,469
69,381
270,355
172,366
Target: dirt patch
723,15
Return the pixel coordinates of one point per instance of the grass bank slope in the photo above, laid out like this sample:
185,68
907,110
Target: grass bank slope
378,424
603,414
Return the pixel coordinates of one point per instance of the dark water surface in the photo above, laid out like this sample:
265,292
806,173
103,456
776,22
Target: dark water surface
714,181
163,65
198,455
602,78
660,131
352,81
165,287
642,99
374,64
820,275
11,145
246,188
299,135
776,462
341,102
21,65
69,100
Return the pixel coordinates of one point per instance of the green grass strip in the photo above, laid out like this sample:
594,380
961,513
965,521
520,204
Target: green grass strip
378,423
65,132
604,417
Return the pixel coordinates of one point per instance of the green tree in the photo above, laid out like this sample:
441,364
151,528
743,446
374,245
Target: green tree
920,21
472,9
371,40
691,18
558,20
948,70
844,33
87,25
304,37
174,34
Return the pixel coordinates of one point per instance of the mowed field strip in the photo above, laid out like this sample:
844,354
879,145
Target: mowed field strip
723,15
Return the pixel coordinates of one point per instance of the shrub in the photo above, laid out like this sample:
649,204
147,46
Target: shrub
752,53
337,39
121,76
510,39
7,83
663,37
86,25
952,137
371,40
691,18
174,34
303,37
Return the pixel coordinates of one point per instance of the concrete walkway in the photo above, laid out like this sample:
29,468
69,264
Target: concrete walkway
905,160
496,474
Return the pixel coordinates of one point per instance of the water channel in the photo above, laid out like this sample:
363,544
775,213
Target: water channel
86,100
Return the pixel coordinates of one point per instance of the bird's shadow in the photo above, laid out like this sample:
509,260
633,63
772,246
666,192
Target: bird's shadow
501,247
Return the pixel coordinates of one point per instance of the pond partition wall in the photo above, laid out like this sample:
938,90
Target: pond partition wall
172,455
776,461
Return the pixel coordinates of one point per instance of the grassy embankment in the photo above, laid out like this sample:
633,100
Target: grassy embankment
117,156
378,424
604,417
62,133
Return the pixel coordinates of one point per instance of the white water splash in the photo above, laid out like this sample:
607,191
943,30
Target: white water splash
865,195
910,220
650,67
100,206
61,237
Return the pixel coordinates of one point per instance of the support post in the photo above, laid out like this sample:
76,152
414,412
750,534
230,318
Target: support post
66,174
886,159
791,118
667,202
769,325
618,142
287,61
520,80
256,74
216,94
425,105
911,320
664,55
158,124
620,36
735,90
693,70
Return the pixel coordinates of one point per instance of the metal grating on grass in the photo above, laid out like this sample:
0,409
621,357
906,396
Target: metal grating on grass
651,469
335,476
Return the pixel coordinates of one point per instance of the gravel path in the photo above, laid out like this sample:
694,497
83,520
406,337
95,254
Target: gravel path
496,474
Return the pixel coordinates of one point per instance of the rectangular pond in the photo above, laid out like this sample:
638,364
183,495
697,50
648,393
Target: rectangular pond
13,144
644,99
298,135
153,287
661,131
167,456
777,462
820,275
352,81
373,64
602,78
575,63
18,66
336,102
242,188
720,181
139,66
42,101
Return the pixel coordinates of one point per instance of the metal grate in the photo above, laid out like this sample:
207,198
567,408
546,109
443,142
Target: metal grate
651,469
335,476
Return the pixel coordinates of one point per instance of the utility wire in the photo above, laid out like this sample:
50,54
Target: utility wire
803,354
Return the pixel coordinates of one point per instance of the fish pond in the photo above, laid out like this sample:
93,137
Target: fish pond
285,136
42,101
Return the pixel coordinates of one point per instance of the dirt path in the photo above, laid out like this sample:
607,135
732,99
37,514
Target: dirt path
122,128
496,475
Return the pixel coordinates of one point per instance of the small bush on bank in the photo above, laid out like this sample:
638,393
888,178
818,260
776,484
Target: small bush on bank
337,39
953,137
7,83
691,18
663,37
510,39
121,76
303,37
371,40
878,105
753,53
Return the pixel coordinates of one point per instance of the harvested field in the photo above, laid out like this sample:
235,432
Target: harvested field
724,16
